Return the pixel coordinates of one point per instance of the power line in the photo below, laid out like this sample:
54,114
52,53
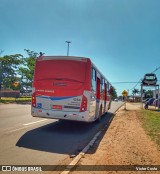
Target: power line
129,82
156,69
137,83
122,82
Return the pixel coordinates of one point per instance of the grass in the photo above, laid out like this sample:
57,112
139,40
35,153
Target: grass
151,123
15,100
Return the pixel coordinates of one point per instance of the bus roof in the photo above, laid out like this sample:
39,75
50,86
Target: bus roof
41,58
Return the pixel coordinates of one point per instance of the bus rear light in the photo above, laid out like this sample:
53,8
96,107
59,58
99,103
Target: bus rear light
34,100
83,104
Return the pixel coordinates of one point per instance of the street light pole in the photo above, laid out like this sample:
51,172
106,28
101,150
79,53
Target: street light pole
68,42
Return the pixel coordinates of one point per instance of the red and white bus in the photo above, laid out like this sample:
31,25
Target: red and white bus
69,88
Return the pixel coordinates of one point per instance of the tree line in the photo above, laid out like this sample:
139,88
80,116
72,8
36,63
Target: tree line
147,93
16,71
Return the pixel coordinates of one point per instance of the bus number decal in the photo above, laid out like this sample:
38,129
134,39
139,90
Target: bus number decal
76,99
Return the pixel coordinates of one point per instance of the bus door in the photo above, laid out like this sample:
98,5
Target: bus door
98,83
98,89
105,97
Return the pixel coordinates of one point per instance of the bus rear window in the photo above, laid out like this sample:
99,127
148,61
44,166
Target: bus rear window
60,69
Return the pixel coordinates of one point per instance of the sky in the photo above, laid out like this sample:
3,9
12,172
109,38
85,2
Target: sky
122,37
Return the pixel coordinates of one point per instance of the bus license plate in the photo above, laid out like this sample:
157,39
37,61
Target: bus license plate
57,107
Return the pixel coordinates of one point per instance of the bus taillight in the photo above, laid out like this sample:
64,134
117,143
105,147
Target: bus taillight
83,104
34,100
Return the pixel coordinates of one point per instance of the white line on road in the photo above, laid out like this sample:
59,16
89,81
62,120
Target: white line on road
25,126
34,122
11,131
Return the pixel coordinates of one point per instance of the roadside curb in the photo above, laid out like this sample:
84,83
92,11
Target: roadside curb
90,144
17,102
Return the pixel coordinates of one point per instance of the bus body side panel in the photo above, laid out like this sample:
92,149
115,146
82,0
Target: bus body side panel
93,105
101,101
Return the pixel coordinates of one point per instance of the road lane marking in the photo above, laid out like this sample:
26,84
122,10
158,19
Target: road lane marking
34,122
11,131
25,126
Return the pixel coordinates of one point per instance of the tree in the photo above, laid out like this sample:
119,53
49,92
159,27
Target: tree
8,70
135,91
144,91
149,94
27,70
114,93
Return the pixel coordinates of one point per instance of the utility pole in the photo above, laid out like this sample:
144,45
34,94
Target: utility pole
68,42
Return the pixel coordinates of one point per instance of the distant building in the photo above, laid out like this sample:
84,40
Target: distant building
155,93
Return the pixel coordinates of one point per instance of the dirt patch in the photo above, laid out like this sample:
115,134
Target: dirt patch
124,143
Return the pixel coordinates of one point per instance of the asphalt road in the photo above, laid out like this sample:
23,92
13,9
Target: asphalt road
25,140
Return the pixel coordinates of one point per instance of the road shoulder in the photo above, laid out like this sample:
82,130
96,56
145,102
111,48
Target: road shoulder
124,143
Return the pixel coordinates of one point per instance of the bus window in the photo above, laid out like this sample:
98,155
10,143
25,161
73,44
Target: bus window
102,85
108,87
102,88
93,79
93,74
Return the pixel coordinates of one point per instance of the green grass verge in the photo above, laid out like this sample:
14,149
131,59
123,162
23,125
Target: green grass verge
151,123
15,100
